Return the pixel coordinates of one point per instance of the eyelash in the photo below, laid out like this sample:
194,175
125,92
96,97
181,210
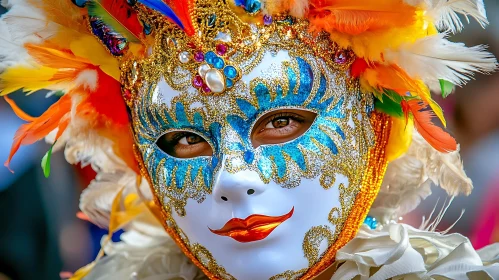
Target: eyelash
292,116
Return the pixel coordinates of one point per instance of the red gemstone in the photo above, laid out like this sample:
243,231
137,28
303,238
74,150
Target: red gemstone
191,45
127,94
206,88
198,81
221,49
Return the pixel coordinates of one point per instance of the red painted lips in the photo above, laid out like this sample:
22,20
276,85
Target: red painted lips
253,228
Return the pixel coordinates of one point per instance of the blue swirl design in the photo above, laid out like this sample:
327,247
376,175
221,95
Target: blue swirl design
176,172
180,179
300,94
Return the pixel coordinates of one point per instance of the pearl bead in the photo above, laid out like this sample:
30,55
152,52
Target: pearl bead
184,57
203,69
215,81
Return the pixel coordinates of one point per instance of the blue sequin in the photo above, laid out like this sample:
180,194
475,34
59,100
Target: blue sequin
371,222
211,20
253,6
218,63
230,72
115,43
250,6
229,83
210,57
147,28
80,3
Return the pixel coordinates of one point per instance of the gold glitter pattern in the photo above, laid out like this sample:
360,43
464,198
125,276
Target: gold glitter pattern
171,65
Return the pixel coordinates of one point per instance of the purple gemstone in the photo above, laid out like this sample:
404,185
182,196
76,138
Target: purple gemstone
221,49
199,56
267,19
340,58
206,88
198,81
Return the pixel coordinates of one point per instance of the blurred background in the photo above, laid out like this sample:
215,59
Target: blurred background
40,235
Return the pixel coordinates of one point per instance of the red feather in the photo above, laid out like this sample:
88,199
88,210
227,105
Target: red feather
359,66
107,113
434,135
125,14
182,9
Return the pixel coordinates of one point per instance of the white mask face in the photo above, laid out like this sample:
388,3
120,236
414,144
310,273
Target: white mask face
258,183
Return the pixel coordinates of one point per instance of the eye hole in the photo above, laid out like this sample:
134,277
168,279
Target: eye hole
281,126
184,144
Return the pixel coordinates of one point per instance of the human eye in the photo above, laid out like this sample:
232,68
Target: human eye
184,144
281,126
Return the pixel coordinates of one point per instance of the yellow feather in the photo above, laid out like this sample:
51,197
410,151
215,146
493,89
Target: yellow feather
30,79
425,94
83,272
88,47
371,45
400,138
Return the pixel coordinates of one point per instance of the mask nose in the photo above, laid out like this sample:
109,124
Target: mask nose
237,187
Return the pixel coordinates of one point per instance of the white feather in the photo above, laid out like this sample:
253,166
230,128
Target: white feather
434,57
445,13
96,200
408,179
87,79
21,24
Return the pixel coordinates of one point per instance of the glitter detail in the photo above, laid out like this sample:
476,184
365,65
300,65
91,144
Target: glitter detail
311,72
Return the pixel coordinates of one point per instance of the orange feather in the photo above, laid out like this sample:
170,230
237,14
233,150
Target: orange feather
358,16
57,116
53,57
439,139
19,113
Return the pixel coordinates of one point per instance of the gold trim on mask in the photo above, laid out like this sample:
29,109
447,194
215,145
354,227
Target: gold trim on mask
371,183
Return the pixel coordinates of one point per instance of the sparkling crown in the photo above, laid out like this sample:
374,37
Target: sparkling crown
223,48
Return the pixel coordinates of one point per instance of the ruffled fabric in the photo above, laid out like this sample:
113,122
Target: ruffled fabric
399,251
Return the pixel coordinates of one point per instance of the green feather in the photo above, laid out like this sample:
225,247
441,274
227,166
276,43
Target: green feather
46,162
446,87
96,9
389,107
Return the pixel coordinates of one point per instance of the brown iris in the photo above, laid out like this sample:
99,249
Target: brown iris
281,126
183,144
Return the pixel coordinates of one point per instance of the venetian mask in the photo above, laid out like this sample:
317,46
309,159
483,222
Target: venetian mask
260,149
